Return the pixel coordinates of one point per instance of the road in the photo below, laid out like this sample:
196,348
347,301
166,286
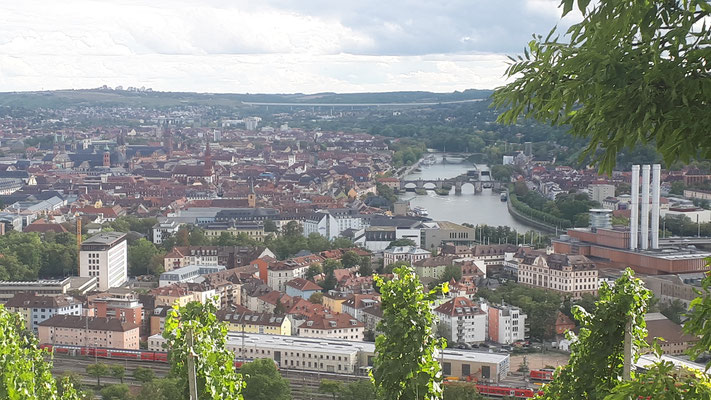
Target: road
429,103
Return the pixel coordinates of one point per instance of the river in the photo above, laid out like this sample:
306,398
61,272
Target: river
477,209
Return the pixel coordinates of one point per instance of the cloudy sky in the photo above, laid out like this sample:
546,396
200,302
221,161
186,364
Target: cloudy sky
266,46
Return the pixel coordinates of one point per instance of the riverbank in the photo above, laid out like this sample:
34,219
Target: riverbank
529,221
404,171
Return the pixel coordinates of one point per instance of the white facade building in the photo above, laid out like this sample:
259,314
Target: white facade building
191,273
507,324
463,321
332,222
104,256
404,253
164,229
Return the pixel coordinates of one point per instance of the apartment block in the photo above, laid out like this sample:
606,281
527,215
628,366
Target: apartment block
89,331
37,309
507,324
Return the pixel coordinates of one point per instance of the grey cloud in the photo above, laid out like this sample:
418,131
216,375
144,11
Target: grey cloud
428,27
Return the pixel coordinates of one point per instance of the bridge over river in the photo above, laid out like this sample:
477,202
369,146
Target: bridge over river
478,179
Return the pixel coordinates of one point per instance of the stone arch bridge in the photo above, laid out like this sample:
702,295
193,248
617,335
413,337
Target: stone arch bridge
479,179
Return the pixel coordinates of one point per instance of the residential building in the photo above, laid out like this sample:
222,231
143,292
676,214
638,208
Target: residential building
104,256
124,309
165,229
281,272
89,331
334,301
507,324
300,287
157,319
371,316
242,320
571,275
356,303
675,342
562,324
229,256
183,293
410,254
433,267
271,301
191,273
36,309
462,321
332,326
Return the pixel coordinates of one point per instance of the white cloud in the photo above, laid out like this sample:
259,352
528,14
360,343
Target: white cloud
265,46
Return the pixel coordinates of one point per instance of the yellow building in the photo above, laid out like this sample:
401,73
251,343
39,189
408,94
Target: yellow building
168,295
243,320
254,230
333,303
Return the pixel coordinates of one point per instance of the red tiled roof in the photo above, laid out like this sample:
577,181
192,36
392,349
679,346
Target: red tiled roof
331,322
302,284
458,306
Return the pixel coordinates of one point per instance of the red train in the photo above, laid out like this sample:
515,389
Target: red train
502,391
121,354
544,375
138,355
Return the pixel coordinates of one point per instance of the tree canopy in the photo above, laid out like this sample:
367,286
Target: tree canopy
631,73
214,363
597,355
24,373
264,381
406,365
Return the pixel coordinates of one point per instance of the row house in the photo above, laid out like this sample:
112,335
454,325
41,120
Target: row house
332,326
89,331
239,319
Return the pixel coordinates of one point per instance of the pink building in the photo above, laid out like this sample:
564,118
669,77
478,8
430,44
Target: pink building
89,331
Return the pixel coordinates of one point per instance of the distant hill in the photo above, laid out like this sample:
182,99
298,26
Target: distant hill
99,97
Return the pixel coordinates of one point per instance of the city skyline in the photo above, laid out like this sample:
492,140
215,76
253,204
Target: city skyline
270,47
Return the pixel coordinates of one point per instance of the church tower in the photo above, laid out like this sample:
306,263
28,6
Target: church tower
107,157
168,141
252,197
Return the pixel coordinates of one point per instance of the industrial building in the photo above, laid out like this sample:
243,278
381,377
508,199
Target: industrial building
637,247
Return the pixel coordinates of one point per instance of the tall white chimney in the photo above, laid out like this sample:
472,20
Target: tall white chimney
656,183
644,215
634,208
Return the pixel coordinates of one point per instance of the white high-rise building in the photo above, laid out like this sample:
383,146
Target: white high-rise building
104,256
